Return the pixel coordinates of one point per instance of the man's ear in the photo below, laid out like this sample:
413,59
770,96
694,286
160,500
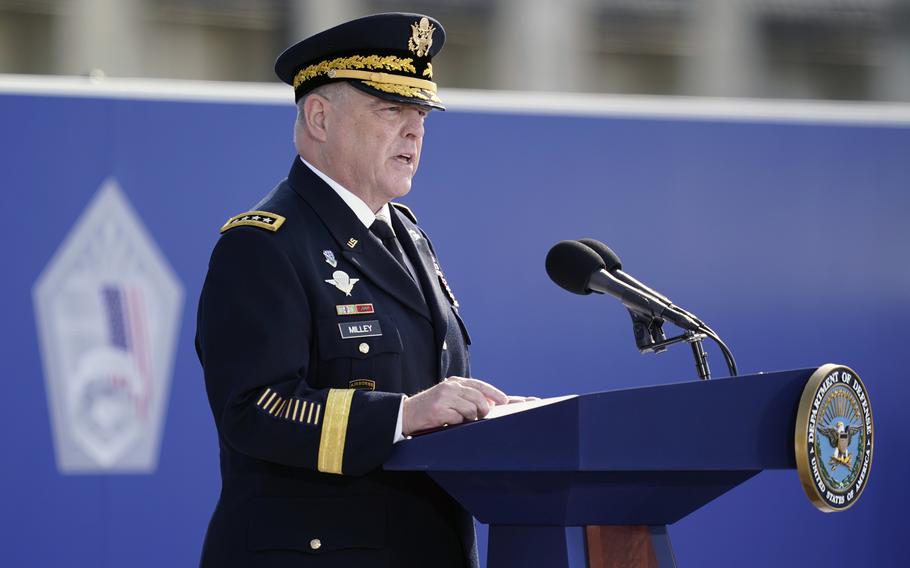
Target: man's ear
314,113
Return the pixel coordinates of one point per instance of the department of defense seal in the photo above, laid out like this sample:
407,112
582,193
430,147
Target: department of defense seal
834,436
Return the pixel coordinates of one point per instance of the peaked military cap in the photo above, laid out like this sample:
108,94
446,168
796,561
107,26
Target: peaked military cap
384,55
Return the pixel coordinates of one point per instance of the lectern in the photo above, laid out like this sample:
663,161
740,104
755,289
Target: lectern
594,480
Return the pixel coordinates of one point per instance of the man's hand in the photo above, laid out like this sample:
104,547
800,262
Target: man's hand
452,401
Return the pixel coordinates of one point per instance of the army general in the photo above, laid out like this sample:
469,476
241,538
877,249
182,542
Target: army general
327,330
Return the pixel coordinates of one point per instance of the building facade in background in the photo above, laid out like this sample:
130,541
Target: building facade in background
807,49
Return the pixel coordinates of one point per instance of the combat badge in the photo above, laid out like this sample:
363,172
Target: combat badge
330,258
834,438
342,281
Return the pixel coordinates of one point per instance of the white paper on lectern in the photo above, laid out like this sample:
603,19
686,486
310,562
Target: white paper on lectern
506,409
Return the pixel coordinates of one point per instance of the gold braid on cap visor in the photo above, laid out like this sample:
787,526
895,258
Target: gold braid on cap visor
353,67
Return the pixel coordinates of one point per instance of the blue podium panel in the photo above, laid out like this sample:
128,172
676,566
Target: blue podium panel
738,423
587,498
643,456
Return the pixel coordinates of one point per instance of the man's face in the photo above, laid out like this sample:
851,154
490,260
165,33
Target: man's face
374,145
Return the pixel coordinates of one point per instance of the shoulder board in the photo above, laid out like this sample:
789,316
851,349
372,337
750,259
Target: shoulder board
261,219
406,210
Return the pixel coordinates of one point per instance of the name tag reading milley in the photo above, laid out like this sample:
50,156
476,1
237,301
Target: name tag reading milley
356,329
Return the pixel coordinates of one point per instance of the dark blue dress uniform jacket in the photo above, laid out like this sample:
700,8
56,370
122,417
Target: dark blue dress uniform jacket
306,417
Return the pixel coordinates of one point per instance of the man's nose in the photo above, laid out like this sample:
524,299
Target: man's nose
413,125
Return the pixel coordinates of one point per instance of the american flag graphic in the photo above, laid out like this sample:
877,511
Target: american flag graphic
127,331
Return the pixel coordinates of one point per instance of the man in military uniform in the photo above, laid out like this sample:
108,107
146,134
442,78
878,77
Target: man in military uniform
327,330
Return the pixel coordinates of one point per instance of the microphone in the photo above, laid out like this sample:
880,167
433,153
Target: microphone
614,266
577,268
591,266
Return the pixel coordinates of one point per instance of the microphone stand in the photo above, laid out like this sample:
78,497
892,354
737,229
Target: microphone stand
650,338
701,358
698,351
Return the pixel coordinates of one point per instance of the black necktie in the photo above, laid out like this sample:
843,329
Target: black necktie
384,231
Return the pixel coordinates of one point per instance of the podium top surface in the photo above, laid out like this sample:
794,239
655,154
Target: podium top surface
732,424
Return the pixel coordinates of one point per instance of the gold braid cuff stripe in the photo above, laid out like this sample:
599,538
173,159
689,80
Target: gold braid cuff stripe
334,429
385,78
387,62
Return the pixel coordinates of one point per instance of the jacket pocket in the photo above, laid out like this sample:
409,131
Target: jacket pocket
317,525
346,355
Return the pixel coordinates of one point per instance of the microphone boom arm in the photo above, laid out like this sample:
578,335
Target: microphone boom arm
650,338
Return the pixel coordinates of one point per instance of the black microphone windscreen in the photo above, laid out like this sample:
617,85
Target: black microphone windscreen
611,260
570,265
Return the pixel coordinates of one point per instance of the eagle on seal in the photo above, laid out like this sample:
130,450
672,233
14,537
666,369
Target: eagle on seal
840,437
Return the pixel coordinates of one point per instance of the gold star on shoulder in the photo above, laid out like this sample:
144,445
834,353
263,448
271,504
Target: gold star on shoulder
261,219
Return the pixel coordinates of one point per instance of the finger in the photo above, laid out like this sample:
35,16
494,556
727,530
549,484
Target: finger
488,390
451,416
465,409
476,398
515,398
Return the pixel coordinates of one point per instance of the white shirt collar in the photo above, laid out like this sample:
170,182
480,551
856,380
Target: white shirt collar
357,205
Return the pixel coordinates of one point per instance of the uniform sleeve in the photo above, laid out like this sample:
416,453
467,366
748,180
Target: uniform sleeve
254,340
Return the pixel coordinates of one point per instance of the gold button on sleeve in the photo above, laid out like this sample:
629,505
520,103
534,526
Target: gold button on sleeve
315,544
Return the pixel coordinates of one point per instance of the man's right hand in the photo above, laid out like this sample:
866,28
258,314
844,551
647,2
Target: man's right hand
452,401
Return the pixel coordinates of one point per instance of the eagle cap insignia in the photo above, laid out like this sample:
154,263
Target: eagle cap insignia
834,438
421,39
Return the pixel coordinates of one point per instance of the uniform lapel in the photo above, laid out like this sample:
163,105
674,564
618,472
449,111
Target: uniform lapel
356,243
375,262
418,250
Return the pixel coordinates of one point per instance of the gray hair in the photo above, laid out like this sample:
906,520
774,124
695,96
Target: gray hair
332,91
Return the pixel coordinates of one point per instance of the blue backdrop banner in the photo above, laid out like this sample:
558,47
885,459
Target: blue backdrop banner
789,237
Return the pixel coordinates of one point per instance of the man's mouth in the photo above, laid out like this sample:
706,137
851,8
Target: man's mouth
405,158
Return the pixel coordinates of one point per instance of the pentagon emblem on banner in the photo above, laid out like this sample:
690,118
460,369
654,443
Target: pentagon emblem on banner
834,438
108,309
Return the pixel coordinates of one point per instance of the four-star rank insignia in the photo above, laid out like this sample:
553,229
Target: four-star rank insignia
261,219
421,39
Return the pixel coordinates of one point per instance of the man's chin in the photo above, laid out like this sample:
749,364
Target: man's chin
399,189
